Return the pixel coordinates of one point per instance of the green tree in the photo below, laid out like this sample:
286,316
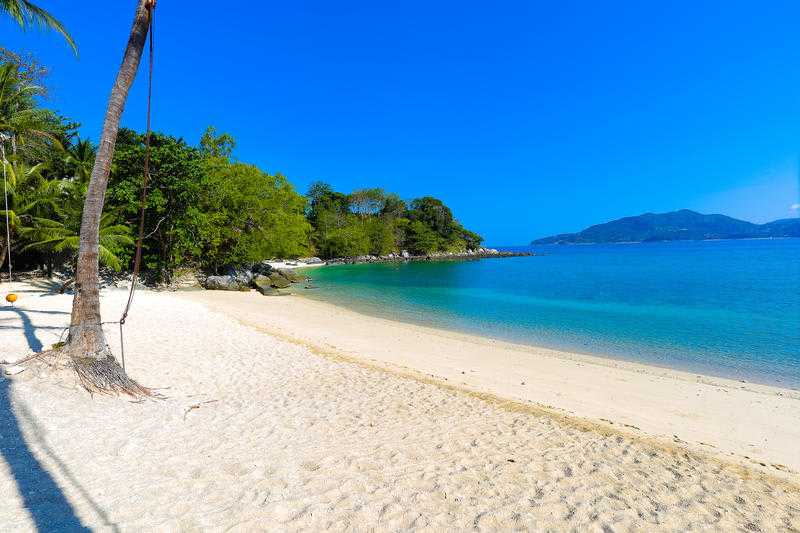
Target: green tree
259,216
394,207
323,199
433,213
347,240
422,240
372,221
382,235
203,209
471,239
366,202
214,145
175,220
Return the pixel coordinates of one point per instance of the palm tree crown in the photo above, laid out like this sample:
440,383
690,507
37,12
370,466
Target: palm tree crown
21,121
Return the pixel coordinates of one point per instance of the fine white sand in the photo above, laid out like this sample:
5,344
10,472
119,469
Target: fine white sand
260,433
750,422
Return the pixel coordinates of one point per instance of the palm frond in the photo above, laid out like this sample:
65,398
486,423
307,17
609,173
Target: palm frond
42,245
109,259
26,14
68,243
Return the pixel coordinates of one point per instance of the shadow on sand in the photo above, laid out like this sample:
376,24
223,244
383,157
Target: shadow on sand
28,329
44,500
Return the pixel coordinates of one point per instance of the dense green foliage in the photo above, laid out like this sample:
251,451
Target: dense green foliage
204,209
369,221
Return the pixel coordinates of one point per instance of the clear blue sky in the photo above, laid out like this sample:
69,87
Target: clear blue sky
528,118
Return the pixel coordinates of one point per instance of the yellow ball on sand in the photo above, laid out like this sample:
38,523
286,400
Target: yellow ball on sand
11,297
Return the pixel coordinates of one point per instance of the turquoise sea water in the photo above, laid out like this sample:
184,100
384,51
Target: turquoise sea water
724,308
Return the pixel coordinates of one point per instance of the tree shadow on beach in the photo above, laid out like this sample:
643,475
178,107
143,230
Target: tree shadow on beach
44,500
28,329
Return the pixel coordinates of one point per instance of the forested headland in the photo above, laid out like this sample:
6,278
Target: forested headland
205,209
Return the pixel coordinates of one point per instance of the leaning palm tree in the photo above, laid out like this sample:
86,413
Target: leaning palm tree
27,15
86,349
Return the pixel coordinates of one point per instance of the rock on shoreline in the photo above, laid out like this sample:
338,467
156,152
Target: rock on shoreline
480,253
263,277
272,278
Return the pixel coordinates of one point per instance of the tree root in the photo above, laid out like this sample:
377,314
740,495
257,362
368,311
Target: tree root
105,376
101,375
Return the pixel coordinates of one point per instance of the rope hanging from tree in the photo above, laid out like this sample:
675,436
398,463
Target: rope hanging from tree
10,297
137,259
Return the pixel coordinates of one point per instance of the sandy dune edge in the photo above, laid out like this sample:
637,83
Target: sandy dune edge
257,433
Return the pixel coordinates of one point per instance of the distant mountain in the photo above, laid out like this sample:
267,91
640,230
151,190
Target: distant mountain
683,225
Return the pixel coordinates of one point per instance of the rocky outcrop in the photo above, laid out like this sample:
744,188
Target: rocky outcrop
224,283
187,280
279,281
264,278
265,286
480,253
262,268
292,275
242,276
310,260
269,280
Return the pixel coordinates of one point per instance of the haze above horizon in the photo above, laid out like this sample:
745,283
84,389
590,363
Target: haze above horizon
527,120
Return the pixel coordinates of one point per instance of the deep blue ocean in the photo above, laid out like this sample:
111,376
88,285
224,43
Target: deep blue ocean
724,308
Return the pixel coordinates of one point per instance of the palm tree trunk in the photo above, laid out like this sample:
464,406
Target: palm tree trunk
86,344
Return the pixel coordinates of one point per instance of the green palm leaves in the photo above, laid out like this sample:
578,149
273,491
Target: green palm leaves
28,15
63,237
29,194
80,159
28,191
46,214
44,209
22,123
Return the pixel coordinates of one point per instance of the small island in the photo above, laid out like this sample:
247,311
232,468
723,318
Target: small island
683,225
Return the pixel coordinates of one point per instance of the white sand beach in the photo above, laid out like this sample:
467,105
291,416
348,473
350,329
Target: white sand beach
285,414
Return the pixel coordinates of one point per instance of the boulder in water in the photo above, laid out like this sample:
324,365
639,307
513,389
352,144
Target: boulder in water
292,275
265,287
279,281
